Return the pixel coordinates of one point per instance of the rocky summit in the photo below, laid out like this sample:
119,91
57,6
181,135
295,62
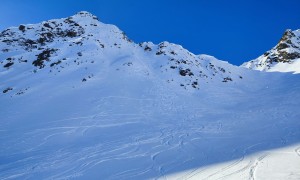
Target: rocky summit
284,57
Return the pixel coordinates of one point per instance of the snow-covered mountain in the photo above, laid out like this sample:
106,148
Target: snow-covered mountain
88,48
80,100
284,57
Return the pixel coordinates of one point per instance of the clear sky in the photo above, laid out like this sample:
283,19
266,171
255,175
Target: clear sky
231,30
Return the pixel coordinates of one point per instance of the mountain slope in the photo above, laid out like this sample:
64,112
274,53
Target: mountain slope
88,48
284,57
85,102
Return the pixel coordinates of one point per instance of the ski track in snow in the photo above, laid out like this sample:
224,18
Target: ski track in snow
137,115
176,139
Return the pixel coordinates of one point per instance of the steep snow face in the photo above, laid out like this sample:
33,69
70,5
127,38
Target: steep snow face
80,48
284,57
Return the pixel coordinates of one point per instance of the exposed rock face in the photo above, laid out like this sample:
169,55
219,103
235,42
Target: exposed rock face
283,57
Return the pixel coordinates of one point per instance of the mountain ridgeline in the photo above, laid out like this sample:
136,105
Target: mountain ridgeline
80,100
81,43
88,48
284,57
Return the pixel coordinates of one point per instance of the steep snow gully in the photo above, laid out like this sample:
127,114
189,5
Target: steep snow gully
80,100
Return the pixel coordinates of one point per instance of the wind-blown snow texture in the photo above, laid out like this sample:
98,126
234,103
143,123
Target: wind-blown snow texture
81,100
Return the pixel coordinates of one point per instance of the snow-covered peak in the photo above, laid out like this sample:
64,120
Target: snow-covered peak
79,100
85,14
80,48
88,21
284,57
81,24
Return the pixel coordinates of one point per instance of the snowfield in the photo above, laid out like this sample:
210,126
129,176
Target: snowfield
106,111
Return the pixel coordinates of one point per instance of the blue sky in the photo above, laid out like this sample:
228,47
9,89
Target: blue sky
232,30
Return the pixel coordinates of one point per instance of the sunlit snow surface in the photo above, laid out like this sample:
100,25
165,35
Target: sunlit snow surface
142,131
136,121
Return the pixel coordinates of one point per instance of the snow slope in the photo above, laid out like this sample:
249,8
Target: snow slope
284,57
88,103
82,48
